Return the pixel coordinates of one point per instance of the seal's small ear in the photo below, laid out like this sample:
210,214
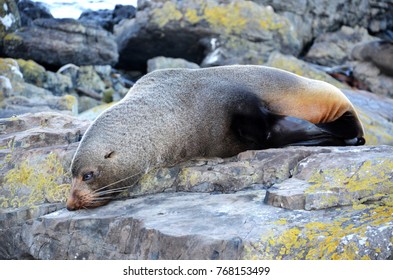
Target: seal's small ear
109,155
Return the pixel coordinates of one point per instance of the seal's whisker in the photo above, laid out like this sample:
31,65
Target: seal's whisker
112,191
114,183
101,198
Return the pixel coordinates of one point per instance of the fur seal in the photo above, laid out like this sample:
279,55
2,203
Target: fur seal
174,115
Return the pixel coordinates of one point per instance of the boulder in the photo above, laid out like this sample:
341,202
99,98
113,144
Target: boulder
314,17
57,42
334,48
244,33
30,11
372,65
108,18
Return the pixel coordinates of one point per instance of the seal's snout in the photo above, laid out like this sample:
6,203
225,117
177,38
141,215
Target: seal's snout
74,201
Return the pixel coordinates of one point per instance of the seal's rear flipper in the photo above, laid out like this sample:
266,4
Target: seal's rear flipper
261,129
347,127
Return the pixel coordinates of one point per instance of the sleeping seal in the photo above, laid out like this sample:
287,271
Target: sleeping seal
174,115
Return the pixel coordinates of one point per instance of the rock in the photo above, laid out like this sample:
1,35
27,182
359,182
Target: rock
95,84
9,19
376,114
314,17
31,11
102,18
66,41
379,53
161,62
18,97
299,67
182,225
36,74
92,113
246,32
108,18
334,48
35,155
372,66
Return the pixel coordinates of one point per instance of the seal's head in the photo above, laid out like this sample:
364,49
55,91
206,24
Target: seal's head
98,169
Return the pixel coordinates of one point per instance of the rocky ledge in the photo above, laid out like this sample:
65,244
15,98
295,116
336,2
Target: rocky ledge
333,203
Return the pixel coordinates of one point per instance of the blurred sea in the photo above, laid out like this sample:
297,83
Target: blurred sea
73,9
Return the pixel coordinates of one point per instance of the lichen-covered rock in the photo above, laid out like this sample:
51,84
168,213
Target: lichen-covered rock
247,32
35,154
334,48
60,41
299,67
18,97
36,74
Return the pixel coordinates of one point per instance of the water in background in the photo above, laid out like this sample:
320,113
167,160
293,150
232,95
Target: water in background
73,8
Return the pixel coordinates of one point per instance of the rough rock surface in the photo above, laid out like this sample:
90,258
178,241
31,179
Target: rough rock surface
180,225
35,155
240,32
60,41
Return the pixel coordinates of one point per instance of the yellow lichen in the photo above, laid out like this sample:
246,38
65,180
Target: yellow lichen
168,12
29,184
320,240
192,16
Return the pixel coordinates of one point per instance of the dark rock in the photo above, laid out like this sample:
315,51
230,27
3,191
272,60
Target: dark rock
246,33
30,11
57,42
101,18
108,18
123,12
